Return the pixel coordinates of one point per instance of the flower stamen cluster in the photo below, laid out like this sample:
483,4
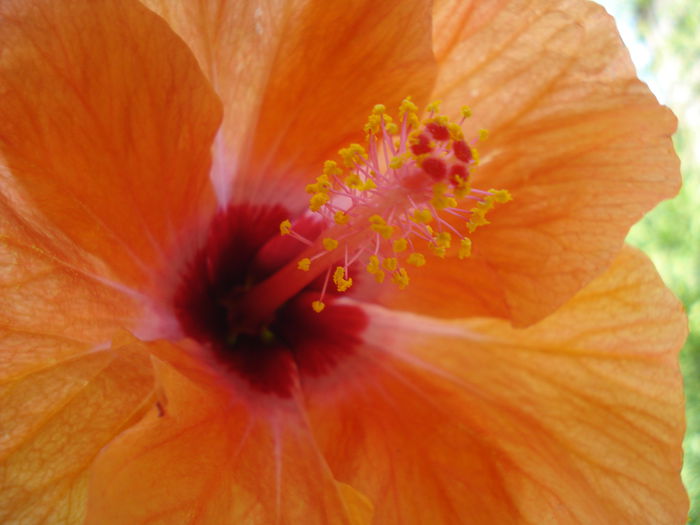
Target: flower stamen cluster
406,195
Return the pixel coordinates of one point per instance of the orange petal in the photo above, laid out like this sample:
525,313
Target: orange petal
210,460
578,419
402,443
64,393
582,144
311,71
235,44
55,419
115,152
51,309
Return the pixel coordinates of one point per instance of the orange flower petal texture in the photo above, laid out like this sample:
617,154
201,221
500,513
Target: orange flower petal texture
575,420
96,117
126,125
245,470
69,380
321,66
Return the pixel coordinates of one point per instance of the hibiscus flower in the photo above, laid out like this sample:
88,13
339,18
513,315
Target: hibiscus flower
169,356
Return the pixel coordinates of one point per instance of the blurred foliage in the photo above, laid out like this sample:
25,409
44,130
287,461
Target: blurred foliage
668,32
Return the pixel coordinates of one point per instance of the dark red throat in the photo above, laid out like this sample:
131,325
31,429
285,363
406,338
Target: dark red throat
271,355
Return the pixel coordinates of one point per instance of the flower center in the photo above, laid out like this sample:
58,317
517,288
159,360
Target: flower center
274,354
253,293
405,198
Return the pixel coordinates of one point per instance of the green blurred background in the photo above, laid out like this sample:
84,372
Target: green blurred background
664,39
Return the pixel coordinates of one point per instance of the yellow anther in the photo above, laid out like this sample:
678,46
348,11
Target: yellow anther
475,156
340,281
340,217
400,278
348,156
483,134
390,263
462,188
383,230
466,111
373,124
330,168
398,161
358,150
324,183
413,136
482,208
400,245
476,220
380,226
416,259
377,118
501,196
304,264
285,227
461,192
455,130
461,182
443,239
465,248
442,120
434,106
440,202
407,106
318,200
391,128
318,306
440,188
422,216
441,243
353,181
373,264
409,110
379,276
350,153
330,244
369,184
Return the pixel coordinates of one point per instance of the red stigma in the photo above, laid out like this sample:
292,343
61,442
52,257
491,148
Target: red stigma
422,146
436,168
438,131
462,151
